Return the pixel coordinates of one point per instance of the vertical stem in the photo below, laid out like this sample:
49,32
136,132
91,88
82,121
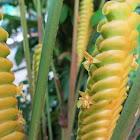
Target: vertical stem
133,123
76,98
34,1
63,134
59,96
56,86
60,92
40,33
74,105
48,114
26,46
39,20
73,70
129,112
102,3
46,56
136,131
44,122
40,30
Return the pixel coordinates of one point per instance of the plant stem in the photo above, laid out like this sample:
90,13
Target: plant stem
102,3
133,123
40,30
44,127
39,20
76,98
80,80
46,56
48,114
60,92
26,46
56,86
59,96
63,134
73,70
34,1
129,112
136,130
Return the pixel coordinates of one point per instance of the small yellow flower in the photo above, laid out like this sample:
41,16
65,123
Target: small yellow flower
135,57
89,59
20,118
19,91
127,88
84,101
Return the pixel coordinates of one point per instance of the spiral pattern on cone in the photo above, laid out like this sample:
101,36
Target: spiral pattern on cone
36,61
101,103
84,30
11,119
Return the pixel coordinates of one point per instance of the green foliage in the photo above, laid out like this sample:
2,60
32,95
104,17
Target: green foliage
64,13
31,23
63,44
2,2
97,17
20,51
19,54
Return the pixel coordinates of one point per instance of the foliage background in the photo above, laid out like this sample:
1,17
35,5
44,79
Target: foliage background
61,55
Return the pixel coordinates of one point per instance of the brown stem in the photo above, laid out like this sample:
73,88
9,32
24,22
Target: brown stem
62,115
80,80
135,134
73,71
60,91
137,130
40,29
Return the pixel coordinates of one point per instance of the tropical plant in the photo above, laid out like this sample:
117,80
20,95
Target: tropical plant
68,31
111,62
11,119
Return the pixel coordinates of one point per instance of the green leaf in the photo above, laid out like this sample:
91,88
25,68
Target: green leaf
20,51
30,22
64,13
19,54
2,2
137,10
97,17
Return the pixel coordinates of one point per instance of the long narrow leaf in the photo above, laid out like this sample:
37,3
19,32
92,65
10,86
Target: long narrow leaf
46,56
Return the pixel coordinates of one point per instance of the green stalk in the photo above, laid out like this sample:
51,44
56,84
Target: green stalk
135,133
40,24
26,46
59,97
102,3
46,56
40,31
73,70
39,20
74,105
56,86
34,1
129,112
44,122
48,114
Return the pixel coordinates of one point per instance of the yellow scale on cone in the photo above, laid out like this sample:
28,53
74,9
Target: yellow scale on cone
84,30
36,61
108,70
11,119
